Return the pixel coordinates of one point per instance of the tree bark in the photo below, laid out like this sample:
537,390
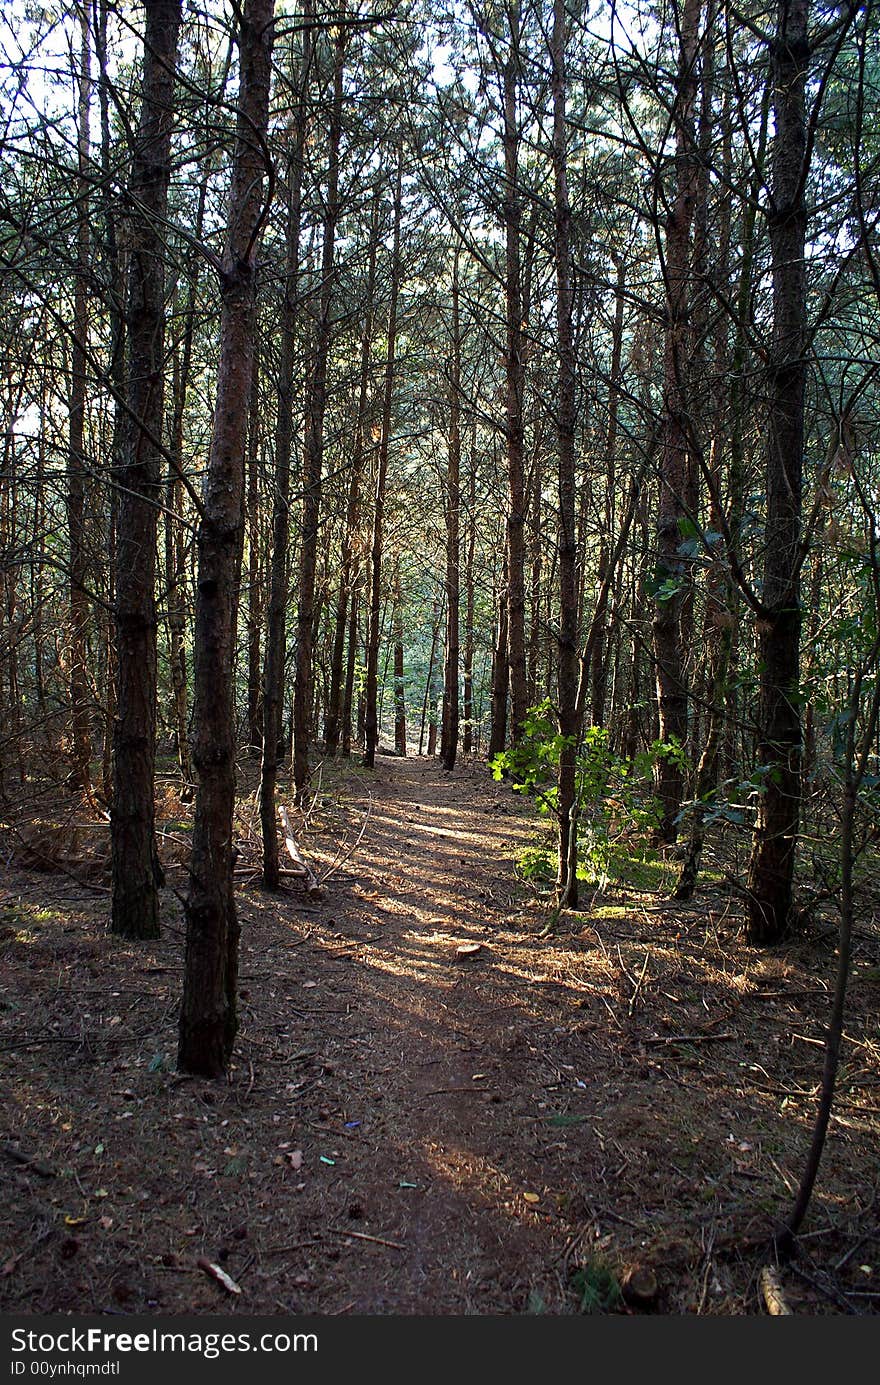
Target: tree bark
449,736
670,576
274,646
771,868
371,715
80,748
208,1019
335,708
565,456
514,366
313,458
135,862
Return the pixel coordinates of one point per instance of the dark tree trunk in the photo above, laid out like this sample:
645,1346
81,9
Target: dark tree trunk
254,716
399,693
670,575
208,1019
514,366
313,459
449,737
771,868
500,673
136,872
80,748
347,566
467,743
274,645
374,629
565,455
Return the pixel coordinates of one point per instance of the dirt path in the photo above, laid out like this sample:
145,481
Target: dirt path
409,1129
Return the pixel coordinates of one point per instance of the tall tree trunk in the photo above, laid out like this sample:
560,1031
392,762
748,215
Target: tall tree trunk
313,459
467,743
500,672
449,737
347,564
135,862
350,663
274,647
771,868
514,367
374,633
565,456
672,700
254,716
599,673
208,1019
81,752
399,692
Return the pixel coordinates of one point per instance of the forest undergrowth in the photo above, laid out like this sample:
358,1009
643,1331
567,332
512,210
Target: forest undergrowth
444,1099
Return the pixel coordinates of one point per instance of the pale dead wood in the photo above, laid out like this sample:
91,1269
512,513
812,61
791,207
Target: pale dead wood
772,1293
313,887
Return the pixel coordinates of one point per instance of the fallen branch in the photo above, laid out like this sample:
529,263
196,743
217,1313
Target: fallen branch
689,1039
772,1293
313,887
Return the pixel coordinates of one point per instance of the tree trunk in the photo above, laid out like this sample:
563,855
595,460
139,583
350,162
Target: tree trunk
514,367
500,673
670,576
254,717
565,456
274,646
347,564
136,870
399,694
449,737
80,749
771,868
371,715
313,459
208,1020
467,743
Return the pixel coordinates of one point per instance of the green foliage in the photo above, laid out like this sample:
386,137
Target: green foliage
597,1287
614,802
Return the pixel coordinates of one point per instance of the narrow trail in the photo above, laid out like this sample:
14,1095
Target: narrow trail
431,1055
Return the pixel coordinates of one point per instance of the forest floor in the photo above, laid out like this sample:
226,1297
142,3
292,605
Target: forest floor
413,1129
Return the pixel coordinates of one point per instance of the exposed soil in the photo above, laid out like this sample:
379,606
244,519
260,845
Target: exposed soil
412,1129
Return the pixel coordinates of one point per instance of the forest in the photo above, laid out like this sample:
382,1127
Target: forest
439,697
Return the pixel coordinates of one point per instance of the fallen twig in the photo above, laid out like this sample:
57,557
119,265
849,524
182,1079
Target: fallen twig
362,1236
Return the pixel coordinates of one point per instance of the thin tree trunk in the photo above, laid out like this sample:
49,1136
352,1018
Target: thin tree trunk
208,1019
565,455
347,573
274,646
467,744
313,458
500,672
254,729
771,868
449,737
371,716
672,699
514,367
81,751
599,670
135,862
399,693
